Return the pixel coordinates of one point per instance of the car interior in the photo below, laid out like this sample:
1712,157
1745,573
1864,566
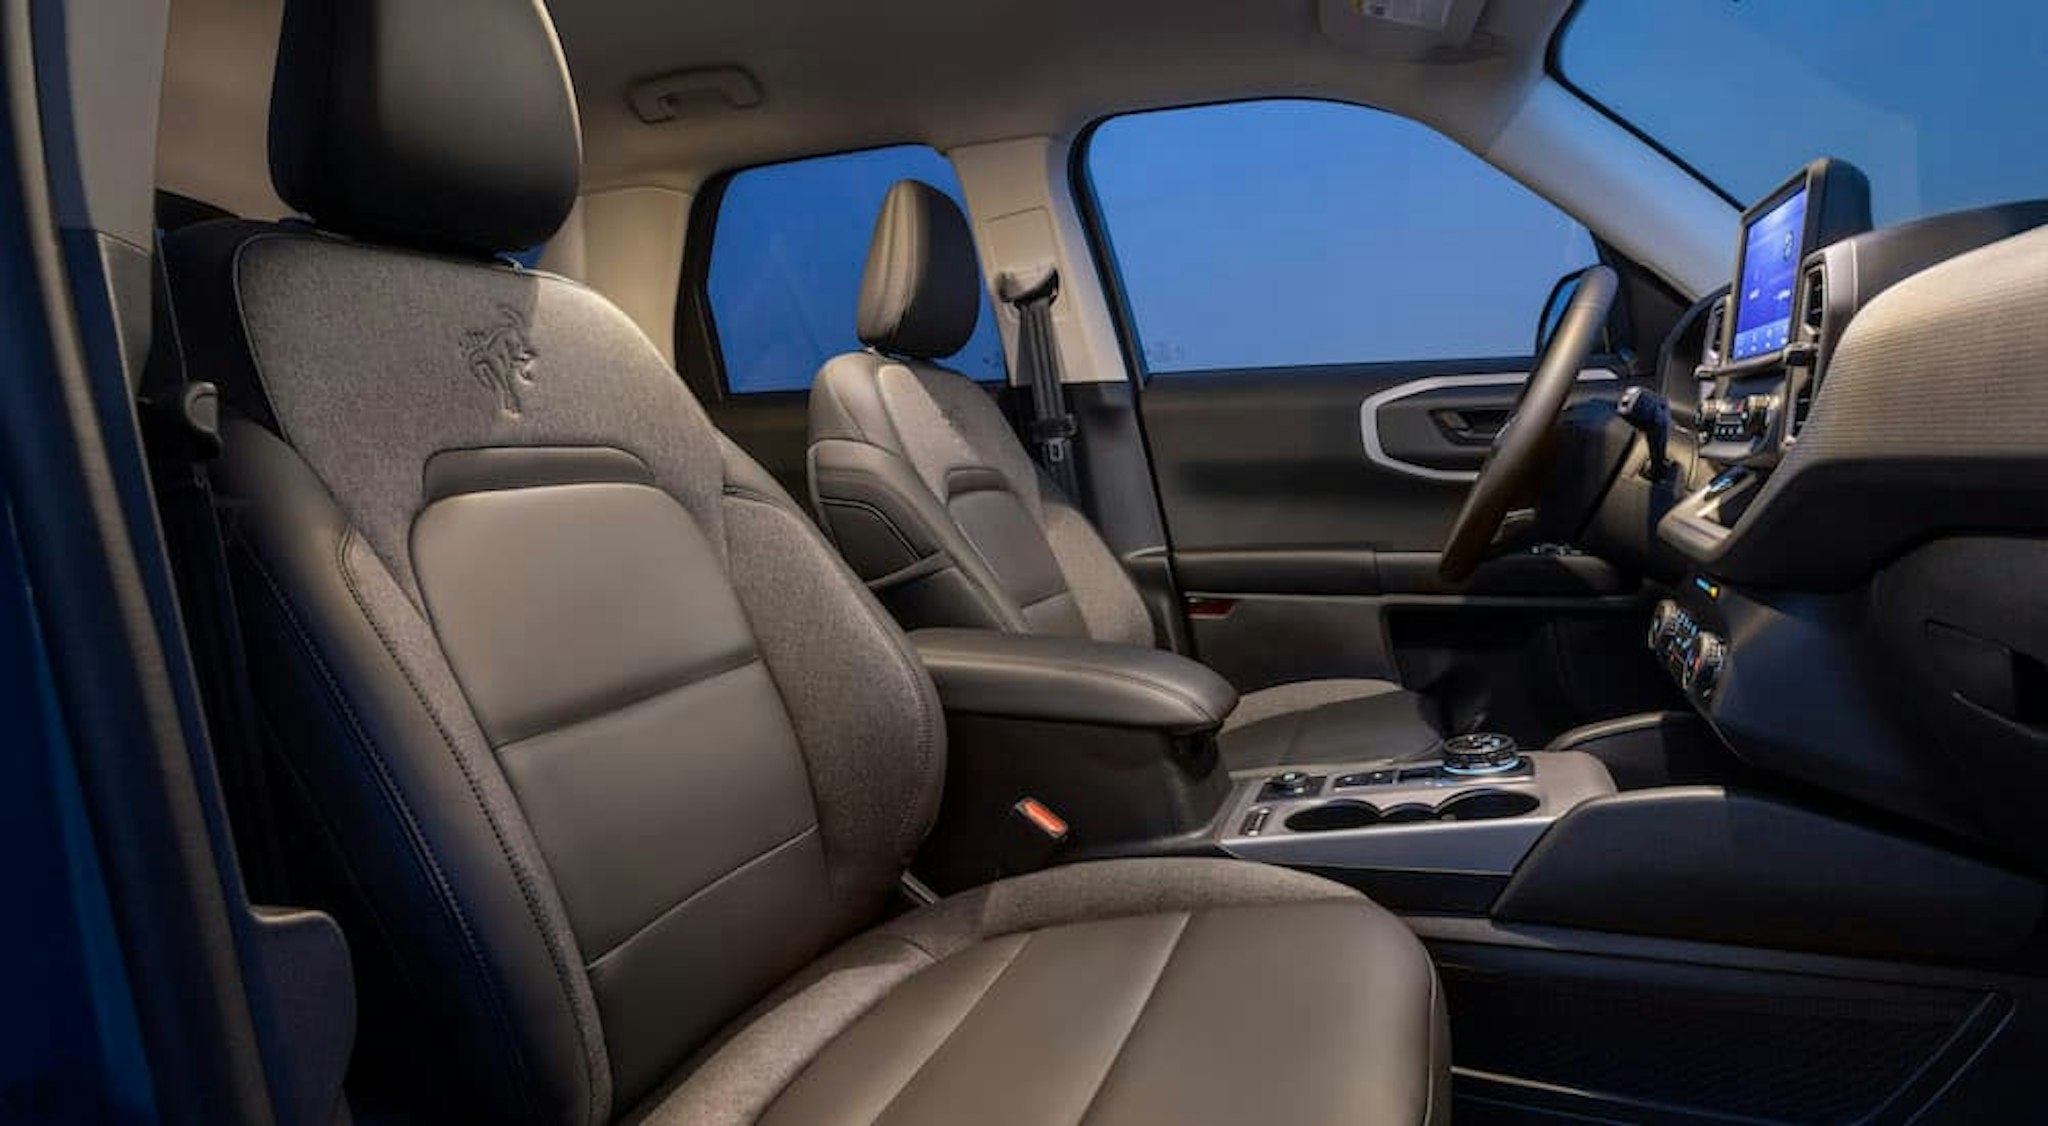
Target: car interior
600,561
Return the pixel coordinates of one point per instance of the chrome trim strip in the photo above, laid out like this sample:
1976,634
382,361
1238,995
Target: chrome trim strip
1368,416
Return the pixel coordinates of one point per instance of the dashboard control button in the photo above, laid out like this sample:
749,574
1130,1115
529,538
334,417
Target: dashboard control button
1664,625
1255,821
1702,671
1756,414
1291,784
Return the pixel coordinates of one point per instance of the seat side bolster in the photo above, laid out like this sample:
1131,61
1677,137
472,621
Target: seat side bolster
439,869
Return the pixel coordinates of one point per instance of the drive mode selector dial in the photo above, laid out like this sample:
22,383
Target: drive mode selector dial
1481,754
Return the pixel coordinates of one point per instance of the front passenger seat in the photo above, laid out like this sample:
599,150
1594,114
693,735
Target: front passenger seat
930,496
605,763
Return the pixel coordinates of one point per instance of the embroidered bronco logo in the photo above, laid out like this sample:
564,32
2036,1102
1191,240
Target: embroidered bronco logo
501,357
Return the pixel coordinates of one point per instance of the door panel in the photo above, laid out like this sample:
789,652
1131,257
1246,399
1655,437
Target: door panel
1310,405
1304,552
1273,459
1279,459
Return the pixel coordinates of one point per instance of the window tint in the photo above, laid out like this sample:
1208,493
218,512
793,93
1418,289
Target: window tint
1280,233
786,259
1939,104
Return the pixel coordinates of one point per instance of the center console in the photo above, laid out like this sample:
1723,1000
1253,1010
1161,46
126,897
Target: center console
1065,749
1436,834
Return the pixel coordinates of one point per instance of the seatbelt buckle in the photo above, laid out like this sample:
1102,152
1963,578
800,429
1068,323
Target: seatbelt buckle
1055,435
1057,428
1032,835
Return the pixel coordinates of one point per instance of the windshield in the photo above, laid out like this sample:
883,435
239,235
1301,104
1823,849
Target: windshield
1940,104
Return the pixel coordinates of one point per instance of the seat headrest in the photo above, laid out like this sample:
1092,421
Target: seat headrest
921,293
442,124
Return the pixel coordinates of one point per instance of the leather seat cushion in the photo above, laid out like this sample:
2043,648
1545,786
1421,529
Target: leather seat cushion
1328,721
1125,991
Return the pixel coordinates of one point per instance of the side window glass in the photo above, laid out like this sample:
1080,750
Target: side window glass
1293,233
786,258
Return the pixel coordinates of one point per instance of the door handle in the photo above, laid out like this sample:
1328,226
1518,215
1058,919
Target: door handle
1469,426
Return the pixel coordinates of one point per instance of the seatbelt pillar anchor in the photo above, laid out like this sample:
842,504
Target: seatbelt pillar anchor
188,420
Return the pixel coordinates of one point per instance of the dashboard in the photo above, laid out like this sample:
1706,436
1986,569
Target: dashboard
1862,531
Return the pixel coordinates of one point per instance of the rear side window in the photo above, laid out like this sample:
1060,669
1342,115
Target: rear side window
786,258
1291,233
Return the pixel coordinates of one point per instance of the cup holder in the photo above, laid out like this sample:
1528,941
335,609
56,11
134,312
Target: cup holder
1406,812
1349,813
1343,813
1485,805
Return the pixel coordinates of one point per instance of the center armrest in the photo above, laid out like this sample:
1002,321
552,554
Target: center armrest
1070,680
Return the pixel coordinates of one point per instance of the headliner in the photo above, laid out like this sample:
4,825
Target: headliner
838,76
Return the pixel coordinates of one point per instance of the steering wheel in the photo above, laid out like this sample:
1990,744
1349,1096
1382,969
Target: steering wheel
1515,464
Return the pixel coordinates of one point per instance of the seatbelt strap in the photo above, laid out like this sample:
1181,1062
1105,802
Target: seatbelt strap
180,420
1053,429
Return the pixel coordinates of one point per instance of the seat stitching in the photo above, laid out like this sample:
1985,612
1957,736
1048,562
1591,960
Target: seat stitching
709,672
965,1016
556,955
737,870
852,1019
422,852
1060,593
1151,994
937,563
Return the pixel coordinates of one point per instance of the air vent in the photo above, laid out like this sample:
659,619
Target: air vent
1813,299
1710,348
1802,405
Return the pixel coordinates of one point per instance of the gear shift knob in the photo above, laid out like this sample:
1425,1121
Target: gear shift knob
1649,414
1479,754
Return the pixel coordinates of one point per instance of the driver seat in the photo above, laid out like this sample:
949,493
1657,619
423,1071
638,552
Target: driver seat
926,490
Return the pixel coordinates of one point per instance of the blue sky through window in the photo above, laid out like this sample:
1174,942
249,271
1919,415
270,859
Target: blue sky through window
1271,233
1938,103
786,261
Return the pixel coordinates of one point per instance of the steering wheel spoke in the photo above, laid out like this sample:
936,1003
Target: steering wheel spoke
1519,457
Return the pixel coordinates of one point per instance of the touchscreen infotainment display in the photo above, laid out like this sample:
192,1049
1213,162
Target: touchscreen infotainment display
1771,247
